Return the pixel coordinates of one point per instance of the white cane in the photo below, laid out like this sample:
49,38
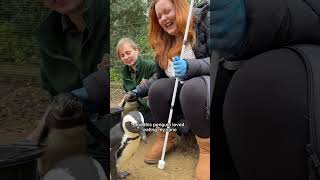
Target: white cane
161,162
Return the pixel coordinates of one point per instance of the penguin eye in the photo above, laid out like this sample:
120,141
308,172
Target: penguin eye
133,124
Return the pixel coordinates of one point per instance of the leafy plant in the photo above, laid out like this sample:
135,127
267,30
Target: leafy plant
16,49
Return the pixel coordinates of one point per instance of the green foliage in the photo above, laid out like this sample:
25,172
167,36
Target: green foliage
17,21
16,49
115,76
145,49
24,14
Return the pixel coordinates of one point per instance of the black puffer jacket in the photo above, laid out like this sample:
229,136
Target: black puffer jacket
273,24
201,14
196,67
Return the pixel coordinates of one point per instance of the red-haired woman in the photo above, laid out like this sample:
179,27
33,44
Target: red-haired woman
167,22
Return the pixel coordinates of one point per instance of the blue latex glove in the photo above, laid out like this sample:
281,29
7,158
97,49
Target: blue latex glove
132,95
82,94
135,91
180,67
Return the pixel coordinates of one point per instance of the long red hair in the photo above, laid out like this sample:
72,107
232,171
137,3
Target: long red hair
167,46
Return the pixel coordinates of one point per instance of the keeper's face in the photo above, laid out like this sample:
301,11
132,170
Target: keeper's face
65,7
128,55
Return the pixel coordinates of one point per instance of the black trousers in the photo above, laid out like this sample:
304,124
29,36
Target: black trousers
223,165
191,102
264,117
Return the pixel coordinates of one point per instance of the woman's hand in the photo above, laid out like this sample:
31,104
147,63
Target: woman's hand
81,93
131,96
180,67
144,81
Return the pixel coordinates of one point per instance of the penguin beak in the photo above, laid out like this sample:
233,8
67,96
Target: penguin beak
143,136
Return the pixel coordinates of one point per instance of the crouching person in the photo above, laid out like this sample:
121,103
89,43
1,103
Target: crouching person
136,70
66,154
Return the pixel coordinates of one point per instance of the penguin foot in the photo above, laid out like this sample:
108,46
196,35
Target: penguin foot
123,174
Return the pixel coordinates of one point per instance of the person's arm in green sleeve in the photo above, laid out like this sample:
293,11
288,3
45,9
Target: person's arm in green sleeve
45,82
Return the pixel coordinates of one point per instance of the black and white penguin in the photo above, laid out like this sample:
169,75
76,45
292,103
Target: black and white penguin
124,141
65,156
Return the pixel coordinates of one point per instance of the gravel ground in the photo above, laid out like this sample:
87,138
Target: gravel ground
22,103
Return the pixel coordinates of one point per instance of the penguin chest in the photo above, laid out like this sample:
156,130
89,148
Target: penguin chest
128,150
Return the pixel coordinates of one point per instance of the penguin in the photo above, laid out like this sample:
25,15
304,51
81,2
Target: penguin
125,138
65,156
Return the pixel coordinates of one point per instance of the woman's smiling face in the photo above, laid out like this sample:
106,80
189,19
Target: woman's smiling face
166,14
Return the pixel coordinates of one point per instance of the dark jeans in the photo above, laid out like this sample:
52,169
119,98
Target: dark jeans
191,101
